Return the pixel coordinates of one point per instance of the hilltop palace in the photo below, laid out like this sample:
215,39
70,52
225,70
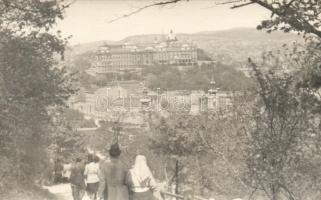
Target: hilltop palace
114,58
132,98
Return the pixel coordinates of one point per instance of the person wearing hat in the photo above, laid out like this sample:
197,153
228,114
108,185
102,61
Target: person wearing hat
77,179
113,177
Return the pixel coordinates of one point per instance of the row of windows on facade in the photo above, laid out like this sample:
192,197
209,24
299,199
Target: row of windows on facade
221,102
106,62
191,54
110,64
146,59
183,56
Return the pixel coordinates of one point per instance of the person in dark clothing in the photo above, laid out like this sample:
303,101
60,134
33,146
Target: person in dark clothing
57,172
77,180
113,177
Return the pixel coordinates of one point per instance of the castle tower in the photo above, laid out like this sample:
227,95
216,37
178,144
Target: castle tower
145,100
212,103
171,37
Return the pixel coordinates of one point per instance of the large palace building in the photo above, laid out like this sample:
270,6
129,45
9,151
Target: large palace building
122,57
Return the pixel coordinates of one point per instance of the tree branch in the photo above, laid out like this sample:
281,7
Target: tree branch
242,5
252,194
295,22
69,4
235,171
298,23
229,2
162,3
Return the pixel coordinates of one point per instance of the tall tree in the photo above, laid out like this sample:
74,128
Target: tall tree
283,137
32,81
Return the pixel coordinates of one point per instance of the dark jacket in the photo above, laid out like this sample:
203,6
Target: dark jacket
77,176
112,181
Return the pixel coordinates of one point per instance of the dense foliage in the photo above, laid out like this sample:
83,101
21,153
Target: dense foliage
209,149
267,142
32,81
283,139
196,78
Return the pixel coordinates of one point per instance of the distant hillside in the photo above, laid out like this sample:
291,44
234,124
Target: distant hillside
230,34
234,45
247,34
85,47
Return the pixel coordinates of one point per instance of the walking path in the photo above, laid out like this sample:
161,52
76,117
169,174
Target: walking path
61,191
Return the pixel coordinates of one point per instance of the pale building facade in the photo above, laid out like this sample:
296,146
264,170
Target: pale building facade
121,57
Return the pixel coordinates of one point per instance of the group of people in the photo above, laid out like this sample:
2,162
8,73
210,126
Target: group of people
111,181
60,172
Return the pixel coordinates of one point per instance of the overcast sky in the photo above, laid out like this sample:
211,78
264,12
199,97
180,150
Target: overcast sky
89,20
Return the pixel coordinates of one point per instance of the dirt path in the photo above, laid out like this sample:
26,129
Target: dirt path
62,191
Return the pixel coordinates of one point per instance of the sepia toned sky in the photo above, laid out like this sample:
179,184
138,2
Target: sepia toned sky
89,20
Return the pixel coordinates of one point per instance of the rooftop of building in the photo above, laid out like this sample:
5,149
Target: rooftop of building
171,43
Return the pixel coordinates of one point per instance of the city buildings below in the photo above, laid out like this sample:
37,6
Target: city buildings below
109,103
116,58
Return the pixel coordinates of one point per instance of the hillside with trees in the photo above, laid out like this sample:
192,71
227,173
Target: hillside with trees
196,78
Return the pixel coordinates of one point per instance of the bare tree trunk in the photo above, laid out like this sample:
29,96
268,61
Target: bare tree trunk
275,193
201,174
176,177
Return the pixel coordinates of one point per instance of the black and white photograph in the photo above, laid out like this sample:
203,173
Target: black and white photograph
160,99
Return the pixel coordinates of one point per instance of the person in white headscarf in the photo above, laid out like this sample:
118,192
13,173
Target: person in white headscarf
141,182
